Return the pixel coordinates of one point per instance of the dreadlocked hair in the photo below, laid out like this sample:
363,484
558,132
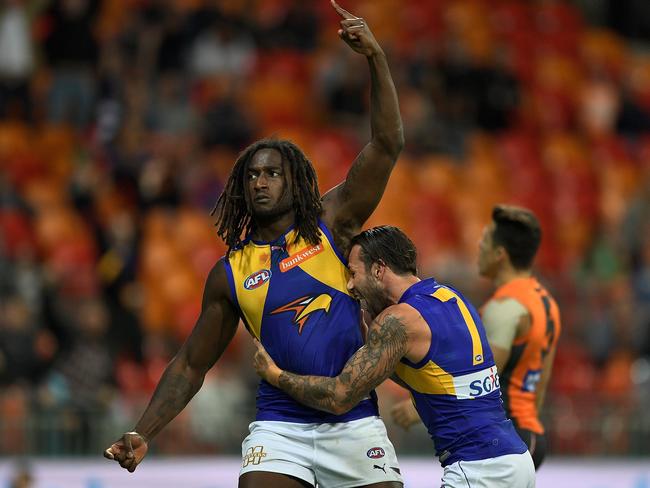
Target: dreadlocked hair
233,209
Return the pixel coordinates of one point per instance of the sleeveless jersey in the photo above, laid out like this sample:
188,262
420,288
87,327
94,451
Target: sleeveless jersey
455,387
292,296
523,370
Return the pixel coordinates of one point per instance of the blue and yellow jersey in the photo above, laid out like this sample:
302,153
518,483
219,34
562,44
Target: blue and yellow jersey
292,296
455,387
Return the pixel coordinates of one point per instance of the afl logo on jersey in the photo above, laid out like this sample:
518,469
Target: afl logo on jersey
375,453
257,279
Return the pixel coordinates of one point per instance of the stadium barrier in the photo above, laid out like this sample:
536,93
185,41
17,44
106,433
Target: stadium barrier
220,472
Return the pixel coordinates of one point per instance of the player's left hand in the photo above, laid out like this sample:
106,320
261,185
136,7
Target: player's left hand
129,450
264,365
404,414
356,33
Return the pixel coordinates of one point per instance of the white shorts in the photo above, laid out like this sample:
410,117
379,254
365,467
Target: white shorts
509,471
341,455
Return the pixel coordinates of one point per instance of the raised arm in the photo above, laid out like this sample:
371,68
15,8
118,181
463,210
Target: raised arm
348,205
387,342
184,375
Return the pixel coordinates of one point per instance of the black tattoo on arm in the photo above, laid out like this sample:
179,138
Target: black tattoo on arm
373,363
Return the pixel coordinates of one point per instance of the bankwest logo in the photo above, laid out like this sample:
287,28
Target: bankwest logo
477,384
300,257
254,455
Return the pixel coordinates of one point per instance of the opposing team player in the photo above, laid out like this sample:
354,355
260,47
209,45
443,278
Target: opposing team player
522,320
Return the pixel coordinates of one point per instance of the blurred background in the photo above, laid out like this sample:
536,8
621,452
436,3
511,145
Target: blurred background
120,121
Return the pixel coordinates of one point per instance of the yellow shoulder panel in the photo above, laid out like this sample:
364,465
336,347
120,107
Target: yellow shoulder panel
320,262
430,379
251,274
444,295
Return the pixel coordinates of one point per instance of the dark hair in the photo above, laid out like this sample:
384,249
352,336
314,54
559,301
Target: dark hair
233,210
390,245
518,231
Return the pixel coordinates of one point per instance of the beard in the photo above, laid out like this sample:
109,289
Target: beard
374,300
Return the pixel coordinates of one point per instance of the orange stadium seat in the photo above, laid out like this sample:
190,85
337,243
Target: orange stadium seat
433,200
57,225
14,404
15,138
511,17
619,181
638,79
603,53
332,153
424,18
277,93
158,256
558,26
192,229
617,377
465,15
154,314
389,210
17,234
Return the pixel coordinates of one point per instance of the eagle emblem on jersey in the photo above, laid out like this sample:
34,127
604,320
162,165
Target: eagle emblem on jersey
303,307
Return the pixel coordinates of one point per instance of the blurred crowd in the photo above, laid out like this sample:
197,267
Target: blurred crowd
120,121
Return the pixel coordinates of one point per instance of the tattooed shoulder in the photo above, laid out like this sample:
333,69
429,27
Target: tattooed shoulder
389,330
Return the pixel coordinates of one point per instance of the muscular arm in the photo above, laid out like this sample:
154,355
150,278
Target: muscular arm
387,342
348,205
184,375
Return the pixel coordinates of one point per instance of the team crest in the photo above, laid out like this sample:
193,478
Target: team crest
303,307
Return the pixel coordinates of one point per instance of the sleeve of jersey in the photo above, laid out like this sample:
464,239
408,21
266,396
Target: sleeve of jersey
500,319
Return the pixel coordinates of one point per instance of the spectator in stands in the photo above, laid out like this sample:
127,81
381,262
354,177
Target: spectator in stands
222,50
71,49
16,60
25,348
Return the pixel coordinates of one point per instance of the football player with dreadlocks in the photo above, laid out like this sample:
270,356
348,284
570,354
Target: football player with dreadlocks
285,277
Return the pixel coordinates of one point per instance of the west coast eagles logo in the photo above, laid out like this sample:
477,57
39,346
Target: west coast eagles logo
303,307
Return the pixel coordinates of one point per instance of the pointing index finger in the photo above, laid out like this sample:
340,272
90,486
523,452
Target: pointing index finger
342,12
